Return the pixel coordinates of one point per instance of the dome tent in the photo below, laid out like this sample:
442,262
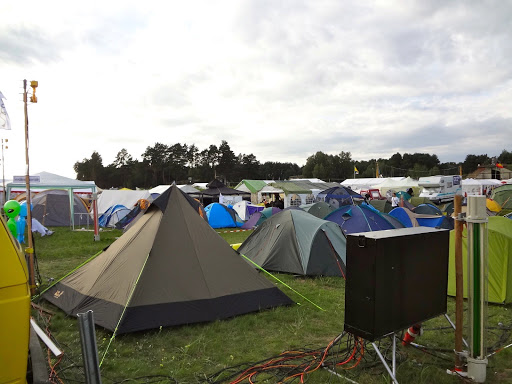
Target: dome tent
297,242
52,209
353,218
500,260
220,216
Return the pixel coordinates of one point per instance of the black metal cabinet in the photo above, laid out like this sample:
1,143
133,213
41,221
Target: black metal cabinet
395,278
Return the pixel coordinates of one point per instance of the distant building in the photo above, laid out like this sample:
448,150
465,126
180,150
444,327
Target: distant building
491,172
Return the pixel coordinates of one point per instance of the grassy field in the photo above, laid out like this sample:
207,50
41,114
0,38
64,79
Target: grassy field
199,353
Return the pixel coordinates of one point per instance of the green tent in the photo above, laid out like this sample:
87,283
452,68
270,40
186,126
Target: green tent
294,241
500,260
381,205
503,196
420,200
319,209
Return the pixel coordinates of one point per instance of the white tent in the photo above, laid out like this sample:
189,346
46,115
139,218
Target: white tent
398,184
365,183
244,209
109,197
270,190
187,188
478,186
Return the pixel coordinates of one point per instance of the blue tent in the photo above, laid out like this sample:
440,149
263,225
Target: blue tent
353,219
413,219
436,222
113,215
428,209
338,196
405,216
393,220
220,216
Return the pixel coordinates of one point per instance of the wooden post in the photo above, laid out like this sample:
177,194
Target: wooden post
30,249
459,283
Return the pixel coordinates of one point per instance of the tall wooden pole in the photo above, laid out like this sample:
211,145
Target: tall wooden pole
3,171
459,283
30,249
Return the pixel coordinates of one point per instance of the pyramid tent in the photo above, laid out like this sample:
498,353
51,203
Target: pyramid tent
500,260
170,268
296,242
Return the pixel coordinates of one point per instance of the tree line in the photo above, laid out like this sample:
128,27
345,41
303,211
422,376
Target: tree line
182,163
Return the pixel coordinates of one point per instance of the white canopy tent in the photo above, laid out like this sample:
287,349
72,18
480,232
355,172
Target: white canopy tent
269,190
478,186
52,181
365,183
398,184
187,188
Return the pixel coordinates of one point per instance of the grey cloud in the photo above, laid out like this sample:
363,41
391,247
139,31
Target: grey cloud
20,45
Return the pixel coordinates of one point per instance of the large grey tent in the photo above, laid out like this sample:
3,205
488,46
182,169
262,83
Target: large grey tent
170,268
296,242
52,209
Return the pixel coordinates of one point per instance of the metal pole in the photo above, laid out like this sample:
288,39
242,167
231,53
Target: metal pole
30,249
95,214
477,286
394,355
459,282
384,362
89,348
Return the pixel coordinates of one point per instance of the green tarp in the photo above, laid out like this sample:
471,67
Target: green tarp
291,188
500,260
252,185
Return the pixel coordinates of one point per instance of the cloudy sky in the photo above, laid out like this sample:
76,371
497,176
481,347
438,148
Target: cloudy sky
279,79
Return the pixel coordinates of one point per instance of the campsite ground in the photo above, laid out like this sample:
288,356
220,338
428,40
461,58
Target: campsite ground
195,353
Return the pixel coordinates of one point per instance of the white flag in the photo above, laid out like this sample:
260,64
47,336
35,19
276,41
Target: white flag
5,123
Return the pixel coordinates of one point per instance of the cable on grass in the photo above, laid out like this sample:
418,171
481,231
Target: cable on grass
296,365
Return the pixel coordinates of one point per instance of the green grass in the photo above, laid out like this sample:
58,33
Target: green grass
190,353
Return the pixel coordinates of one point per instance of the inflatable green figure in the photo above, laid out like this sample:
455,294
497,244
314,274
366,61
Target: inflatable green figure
12,209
